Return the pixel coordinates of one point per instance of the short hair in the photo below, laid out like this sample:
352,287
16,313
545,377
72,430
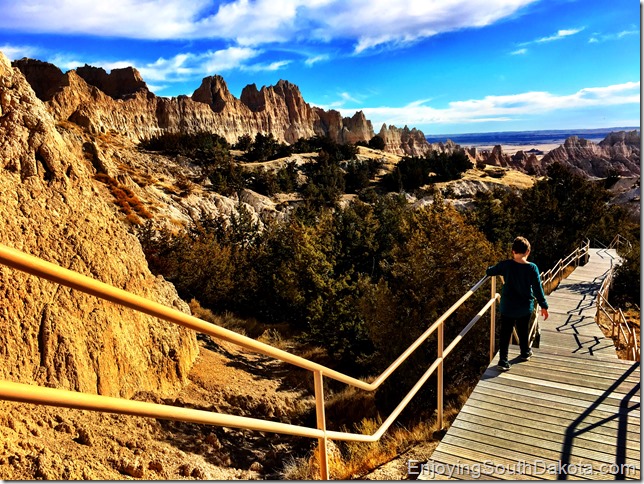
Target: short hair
520,245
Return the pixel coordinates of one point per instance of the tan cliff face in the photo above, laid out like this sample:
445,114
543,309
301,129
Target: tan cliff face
404,141
54,209
120,102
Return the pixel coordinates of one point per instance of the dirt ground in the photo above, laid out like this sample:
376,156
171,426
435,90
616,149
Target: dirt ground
41,442
632,320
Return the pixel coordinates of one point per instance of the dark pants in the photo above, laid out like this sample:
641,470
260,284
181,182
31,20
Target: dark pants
507,325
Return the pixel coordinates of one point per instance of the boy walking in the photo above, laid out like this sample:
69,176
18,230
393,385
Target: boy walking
522,285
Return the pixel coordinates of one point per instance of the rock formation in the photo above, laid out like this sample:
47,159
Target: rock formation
405,141
120,102
54,209
618,153
118,84
519,161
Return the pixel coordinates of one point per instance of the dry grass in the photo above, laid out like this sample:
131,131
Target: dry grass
632,316
125,199
354,460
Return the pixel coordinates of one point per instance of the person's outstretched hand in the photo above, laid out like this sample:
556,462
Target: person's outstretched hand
544,313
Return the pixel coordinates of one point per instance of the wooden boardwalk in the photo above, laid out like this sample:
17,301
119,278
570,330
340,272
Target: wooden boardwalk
571,412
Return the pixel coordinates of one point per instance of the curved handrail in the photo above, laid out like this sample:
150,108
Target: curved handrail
21,392
35,394
47,270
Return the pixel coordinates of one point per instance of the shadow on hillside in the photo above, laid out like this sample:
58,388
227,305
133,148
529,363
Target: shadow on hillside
262,367
228,447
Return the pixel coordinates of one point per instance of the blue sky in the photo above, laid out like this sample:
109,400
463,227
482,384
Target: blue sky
443,66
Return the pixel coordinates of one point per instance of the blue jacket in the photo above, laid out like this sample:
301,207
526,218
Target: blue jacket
522,285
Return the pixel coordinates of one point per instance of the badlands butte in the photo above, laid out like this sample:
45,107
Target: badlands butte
58,131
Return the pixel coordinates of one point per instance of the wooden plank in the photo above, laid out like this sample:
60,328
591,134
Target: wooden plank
558,351
614,398
532,438
578,344
561,295
560,393
547,365
543,431
485,466
566,312
554,337
598,382
499,452
545,408
533,448
557,402
610,433
609,424
561,320
583,329
566,319
566,315
613,367
509,466
594,436
577,290
589,388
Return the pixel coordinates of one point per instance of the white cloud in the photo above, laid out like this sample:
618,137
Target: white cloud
273,66
13,52
519,52
344,98
377,22
561,34
502,108
225,60
315,59
181,67
152,19
369,23
597,38
624,33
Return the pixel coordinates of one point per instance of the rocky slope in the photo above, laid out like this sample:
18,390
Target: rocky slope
618,153
52,208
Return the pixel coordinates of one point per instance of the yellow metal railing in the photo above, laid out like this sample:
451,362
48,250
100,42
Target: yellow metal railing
621,332
57,397
553,276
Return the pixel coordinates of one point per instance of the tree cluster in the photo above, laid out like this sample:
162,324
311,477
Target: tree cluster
413,172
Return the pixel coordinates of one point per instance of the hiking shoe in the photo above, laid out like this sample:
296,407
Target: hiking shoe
526,357
503,365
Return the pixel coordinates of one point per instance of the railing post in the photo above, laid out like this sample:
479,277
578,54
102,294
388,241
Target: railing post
321,421
439,389
616,322
492,318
